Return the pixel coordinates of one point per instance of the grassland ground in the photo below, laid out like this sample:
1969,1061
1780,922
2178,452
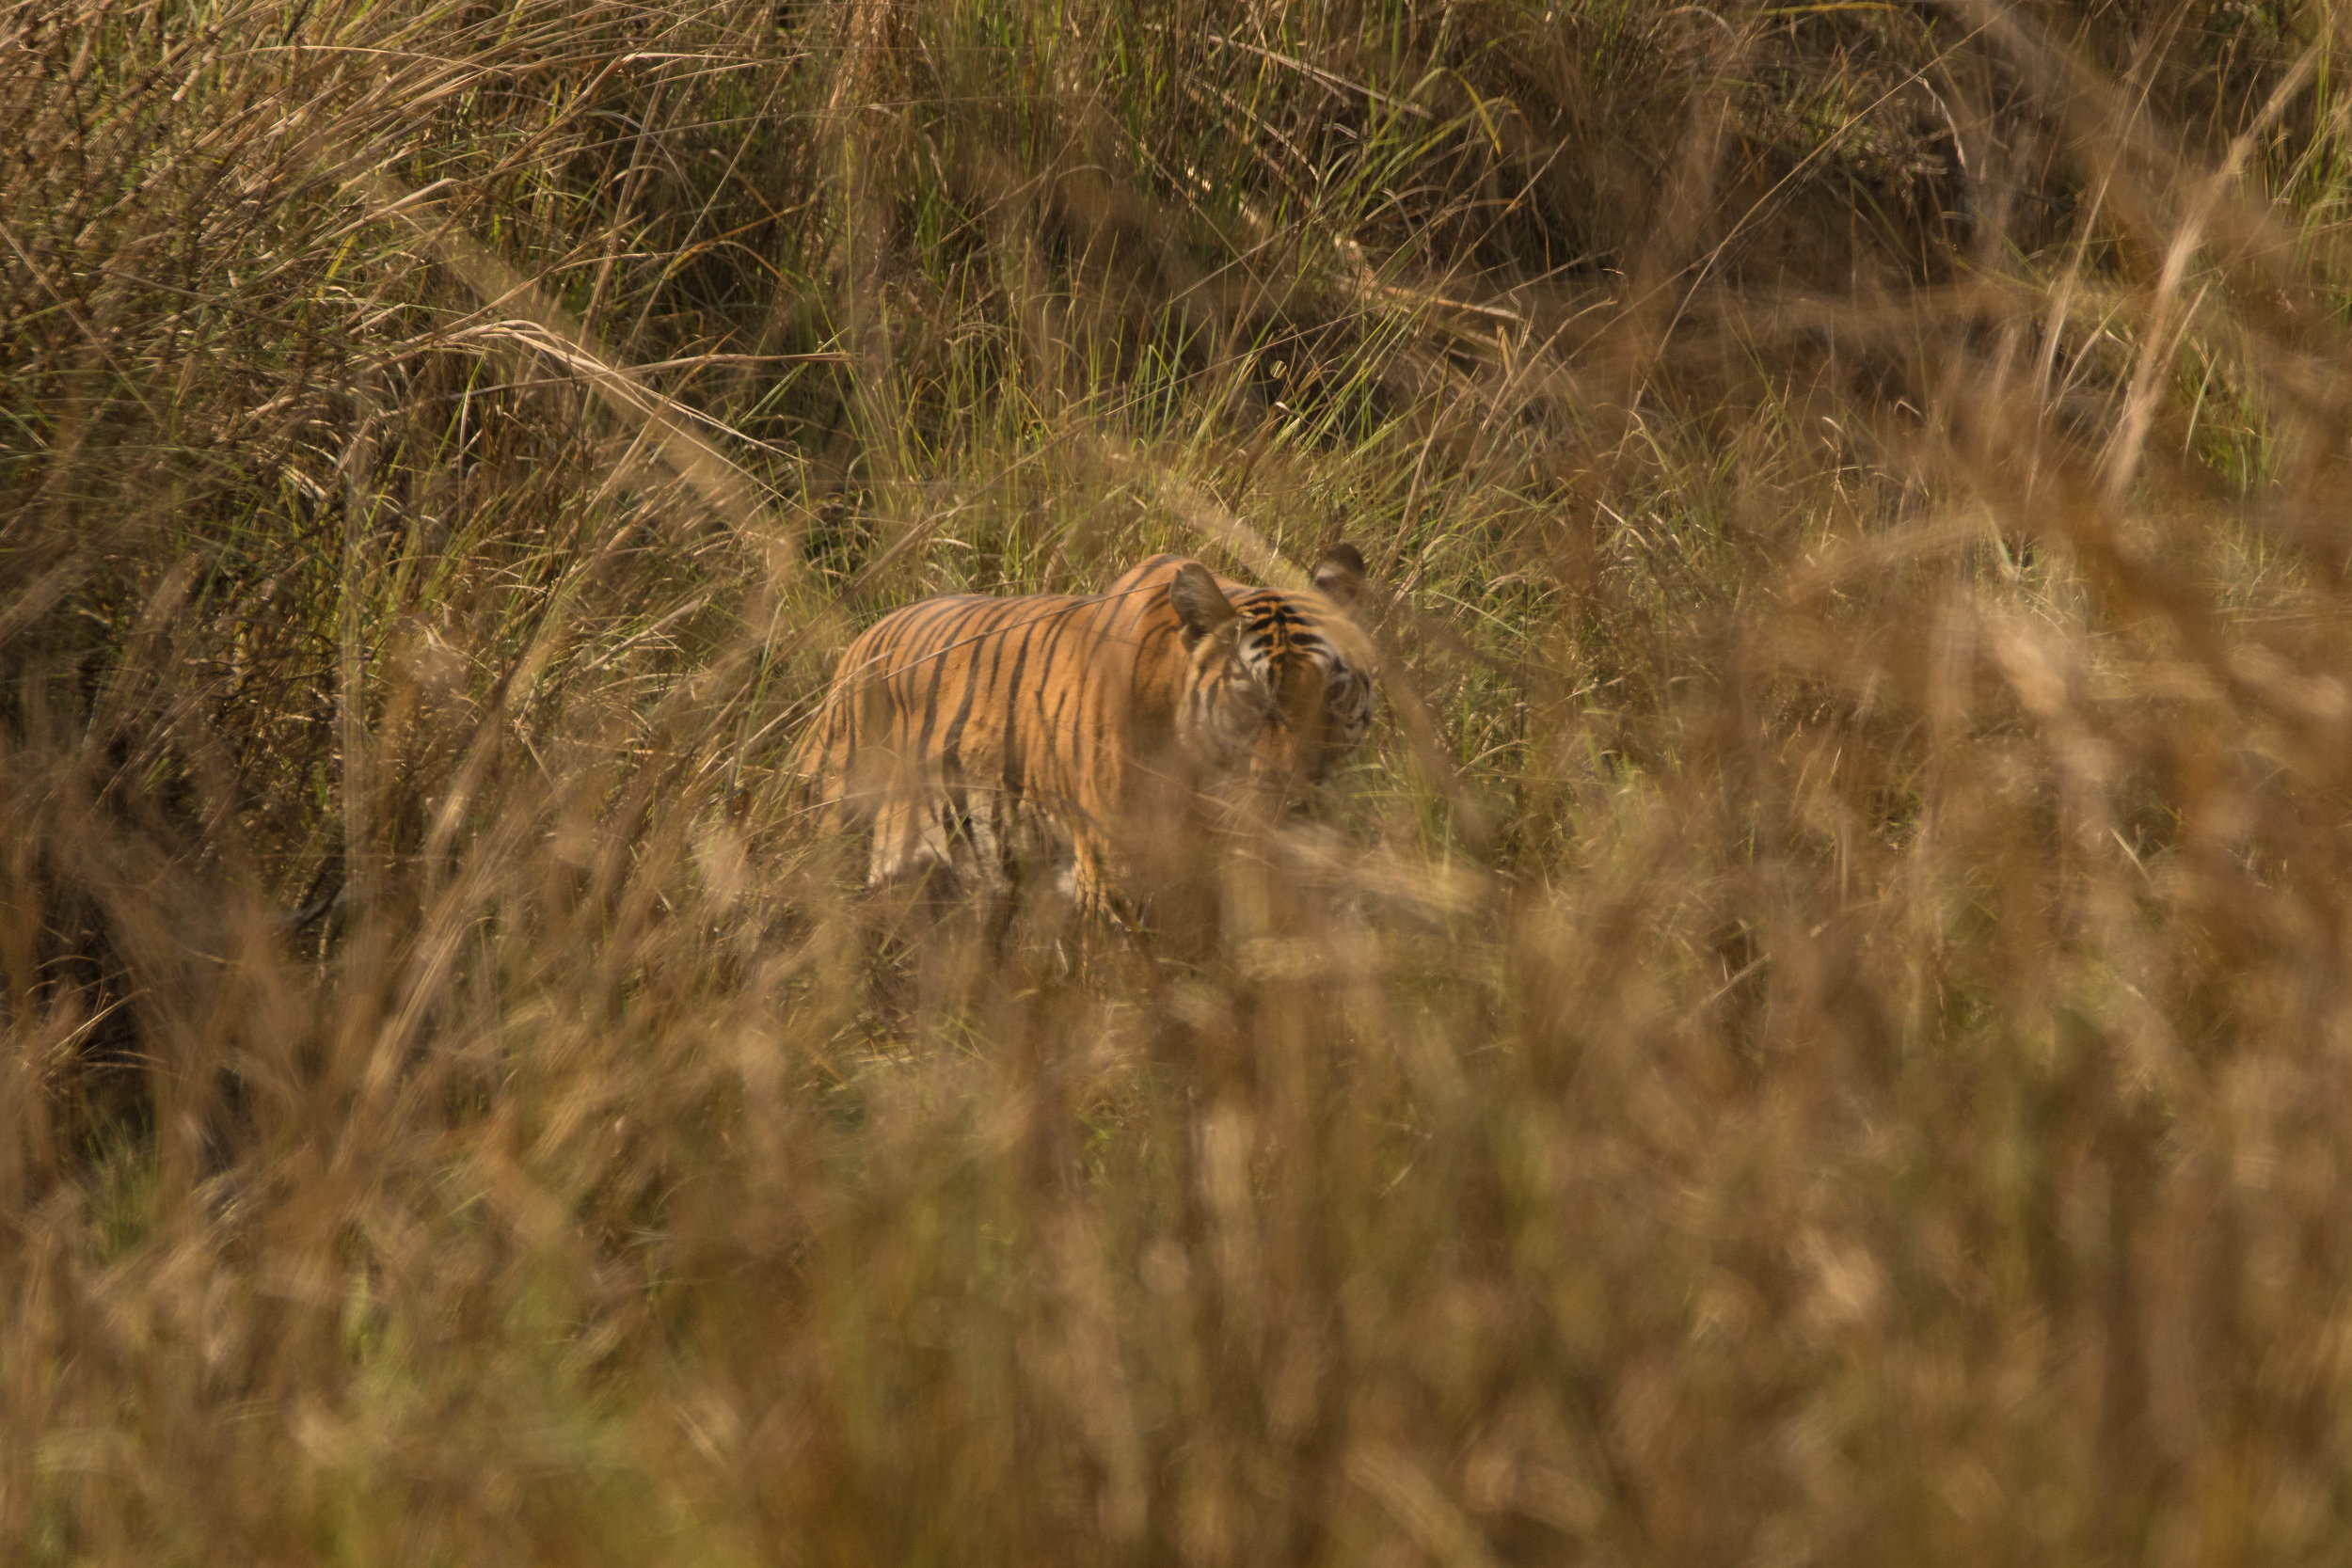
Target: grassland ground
1817,1031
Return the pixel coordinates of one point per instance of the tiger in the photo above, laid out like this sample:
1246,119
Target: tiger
967,731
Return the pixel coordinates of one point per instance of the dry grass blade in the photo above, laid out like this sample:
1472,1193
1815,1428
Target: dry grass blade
1813,1031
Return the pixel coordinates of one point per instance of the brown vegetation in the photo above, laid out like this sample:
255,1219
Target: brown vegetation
1818,1032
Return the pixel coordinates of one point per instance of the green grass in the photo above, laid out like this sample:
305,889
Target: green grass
1813,1034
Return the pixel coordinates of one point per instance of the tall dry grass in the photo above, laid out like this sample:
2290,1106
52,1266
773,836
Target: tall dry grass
1817,1034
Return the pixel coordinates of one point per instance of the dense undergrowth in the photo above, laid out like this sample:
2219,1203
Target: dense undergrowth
1817,1032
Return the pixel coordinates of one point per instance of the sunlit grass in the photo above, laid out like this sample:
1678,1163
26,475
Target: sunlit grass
1812,1033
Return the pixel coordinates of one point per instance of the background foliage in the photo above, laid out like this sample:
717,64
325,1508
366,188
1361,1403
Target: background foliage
1817,1034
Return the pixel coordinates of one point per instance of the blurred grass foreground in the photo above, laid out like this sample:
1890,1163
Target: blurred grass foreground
1818,1031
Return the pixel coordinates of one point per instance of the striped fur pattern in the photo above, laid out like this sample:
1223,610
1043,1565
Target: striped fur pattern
975,732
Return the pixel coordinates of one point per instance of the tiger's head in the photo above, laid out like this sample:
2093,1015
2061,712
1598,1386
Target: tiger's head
1318,670
1279,683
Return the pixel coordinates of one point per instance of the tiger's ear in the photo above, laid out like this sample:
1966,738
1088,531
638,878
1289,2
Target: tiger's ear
1338,574
1198,602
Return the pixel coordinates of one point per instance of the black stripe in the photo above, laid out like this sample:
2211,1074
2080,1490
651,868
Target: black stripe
951,745
1053,654
1016,763
939,675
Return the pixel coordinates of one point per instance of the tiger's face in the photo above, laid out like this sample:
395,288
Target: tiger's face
1319,670
1280,685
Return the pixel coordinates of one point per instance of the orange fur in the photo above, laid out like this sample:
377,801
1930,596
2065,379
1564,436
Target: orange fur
958,727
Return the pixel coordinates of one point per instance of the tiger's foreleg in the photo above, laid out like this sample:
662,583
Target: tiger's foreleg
1093,885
